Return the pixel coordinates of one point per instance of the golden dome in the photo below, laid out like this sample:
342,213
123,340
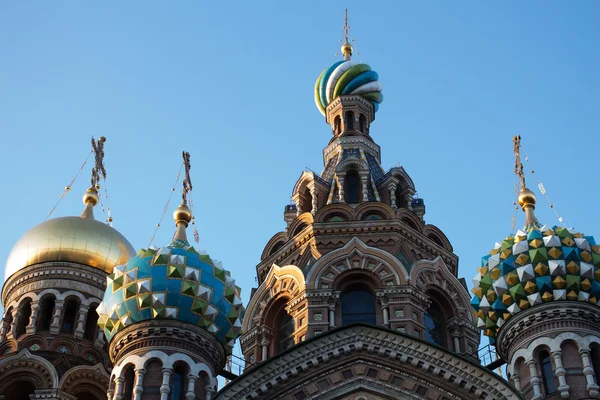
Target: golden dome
346,49
526,197
71,239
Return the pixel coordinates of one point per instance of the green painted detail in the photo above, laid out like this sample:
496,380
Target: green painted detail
175,271
160,259
144,300
189,288
199,306
130,290
347,76
517,292
538,255
317,95
377,97
117,283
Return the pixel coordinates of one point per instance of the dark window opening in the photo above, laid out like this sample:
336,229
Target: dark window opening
362,123
91,324
352,187
400,200
337,125
128,384
358,305
435,330
178,384
19,390
285,331
547,373
595,355
349,120
276,248
308,200
69,318
45,314
299,229
24,319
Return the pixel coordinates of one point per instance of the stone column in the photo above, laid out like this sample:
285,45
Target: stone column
80,329
209,392
119,388
35,310
190,394
99,338
392,189
58,308
560,372
315,207
588,371
535,380
165,389
265,350
456,339
17,312
332,315
516,380
340,184
365,191
4,327
139,383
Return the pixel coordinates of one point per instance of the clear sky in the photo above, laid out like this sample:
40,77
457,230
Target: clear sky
232,82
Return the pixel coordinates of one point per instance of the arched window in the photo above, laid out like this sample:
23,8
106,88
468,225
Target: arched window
352,187
68,324
358,304
19,390
349,120
595,355
45,314
24,319
91,323
308,199
337,125
400,200
285,331
299,228
362,122
128,384
547,373
276,248
178,383
435,325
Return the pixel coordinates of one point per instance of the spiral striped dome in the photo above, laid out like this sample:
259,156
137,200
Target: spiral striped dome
347,77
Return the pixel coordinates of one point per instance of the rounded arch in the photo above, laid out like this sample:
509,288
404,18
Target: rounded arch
274,244
85,379
302,221
434,233
410,219
64,344
36,369
32,340
331,210
381,209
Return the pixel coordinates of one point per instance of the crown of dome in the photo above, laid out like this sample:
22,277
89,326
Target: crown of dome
173,282
540,265
81,240
347,77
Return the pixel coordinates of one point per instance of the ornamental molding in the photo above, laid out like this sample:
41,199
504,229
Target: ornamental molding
289,368
344,142
25,362
90,375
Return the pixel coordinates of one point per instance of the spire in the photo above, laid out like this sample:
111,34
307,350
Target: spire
526,197
90,198
346,47
183,214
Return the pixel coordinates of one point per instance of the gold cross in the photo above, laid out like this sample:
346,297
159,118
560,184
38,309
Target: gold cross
346,27
98,172
187,182
518,164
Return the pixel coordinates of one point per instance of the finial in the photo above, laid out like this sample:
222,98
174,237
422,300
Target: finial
183,214
91,198
346,47
526,197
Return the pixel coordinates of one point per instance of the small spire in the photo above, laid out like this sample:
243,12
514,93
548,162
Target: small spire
91,198
346,47
526,197
183,214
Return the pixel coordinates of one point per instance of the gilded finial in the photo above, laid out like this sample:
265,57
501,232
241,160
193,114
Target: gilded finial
183,214
91,198
346,47
526,197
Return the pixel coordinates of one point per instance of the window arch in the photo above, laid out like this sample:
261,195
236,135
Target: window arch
285,331
24,318
349,120
68,324
547,372
129,377
358,304
19,390
91,323
308,200
400,200
299,228
46,312
337,125
435,324
178,387
362,123
352,187
595,356
276,248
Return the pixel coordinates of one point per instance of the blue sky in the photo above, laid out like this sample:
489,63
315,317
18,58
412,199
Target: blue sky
231,82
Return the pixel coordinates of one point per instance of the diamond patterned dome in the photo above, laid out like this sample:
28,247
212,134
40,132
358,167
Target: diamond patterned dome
173,282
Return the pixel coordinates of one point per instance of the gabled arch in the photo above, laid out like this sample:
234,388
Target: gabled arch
335,209
287,280
350,163
24,363
397,271
410,219
382,209
90,376
309,183
278,238
434,233
303,219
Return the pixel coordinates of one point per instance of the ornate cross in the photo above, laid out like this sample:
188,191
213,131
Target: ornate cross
346,27
518,164
187,182
98,172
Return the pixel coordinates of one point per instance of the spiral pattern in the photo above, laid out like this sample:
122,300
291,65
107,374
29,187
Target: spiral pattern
347,77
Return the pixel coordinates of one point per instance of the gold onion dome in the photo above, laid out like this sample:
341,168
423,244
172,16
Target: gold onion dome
81,240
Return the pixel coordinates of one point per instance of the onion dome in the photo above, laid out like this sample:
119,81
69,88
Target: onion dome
81,240
347,77
173,282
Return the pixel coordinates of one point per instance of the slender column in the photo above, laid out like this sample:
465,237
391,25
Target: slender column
340,184
314,200
3,328
190,395
386,312
55,326
99,338
119,388
365,191
535,380
17,312
560,372
332,315
164,388
392,189
35,310
588,371
265,349
139,383
456,339
516,380
83,311
111,391
209,392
